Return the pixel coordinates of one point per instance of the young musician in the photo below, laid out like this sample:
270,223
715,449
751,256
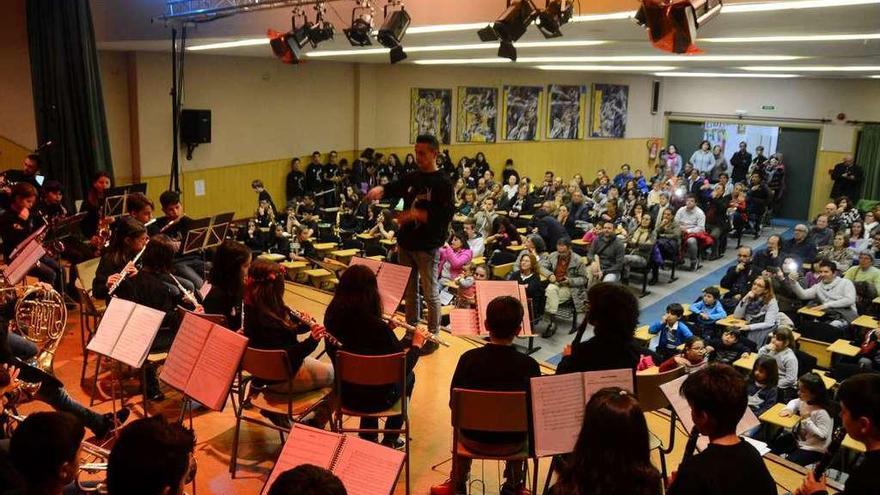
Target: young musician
859,398
129,240
93,206
263,195
496,366
611,455
228,273
307,479
269,324
718,399
19,222
151,457
139,207
428,204
154,286
50,208
354,317
175,224
45,452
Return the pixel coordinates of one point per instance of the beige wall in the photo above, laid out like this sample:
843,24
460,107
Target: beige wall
114,82
17,122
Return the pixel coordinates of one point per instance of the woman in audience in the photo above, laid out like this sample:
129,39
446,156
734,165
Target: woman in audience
270,325
813,431
759,309
737,210
703,160
838,253
639,246
385,226
526,273
128,240
611,456
510,188
354,317
630,197
668,236
846,214
458,191
631,218
780,348
503,234
673,161
468,206
453,256
857,239
535,246
522,203
871,224
227,277
611,213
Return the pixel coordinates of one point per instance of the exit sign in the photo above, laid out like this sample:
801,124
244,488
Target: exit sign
768,107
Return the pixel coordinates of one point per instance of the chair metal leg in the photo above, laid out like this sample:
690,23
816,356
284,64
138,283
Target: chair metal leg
95,381
233,461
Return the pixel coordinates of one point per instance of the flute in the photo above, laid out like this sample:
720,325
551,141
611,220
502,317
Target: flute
124,273
168,225
308,320
189,296
412,328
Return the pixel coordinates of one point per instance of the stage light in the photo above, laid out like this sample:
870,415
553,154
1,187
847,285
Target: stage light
300,34
393,30
555,15
321,30
510,26
284,47
361,25
673,27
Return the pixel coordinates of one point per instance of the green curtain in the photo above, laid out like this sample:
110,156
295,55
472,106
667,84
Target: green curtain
68,100
868,156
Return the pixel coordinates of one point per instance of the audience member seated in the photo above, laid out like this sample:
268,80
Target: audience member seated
820,234
717,221
763,385
453,256
496,366
526,273
475,240
856,239
718,399
837,253
728,348
706,312
759,309
503,234
771,256
534,246
606,256
738,278
668,236
567,280
692,221
640,247
799,247
483,219
692,357
673,332
307,479
780,348
151,457
812,435
847,213
757,198
833,295
865,272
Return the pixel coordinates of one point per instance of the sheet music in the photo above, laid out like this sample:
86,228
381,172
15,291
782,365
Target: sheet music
16,271
206,288
367,468
367,262
305,445
138,335
464,322
28,240
185,350
216,367
392,281
487,290
597,380
558,407
111,326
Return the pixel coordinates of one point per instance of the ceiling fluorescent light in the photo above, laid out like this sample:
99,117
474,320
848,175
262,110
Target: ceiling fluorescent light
875,77
629,14
813,68
663,58
725,74
229,44
793,5
455,47
793,38
445,28
606,68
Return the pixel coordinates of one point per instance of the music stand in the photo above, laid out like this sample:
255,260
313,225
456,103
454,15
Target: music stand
194,241
66,227
18,249
116,198
218,229
30,251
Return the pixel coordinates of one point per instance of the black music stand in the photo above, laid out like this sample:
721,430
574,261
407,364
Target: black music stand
194,240
218,229
116,198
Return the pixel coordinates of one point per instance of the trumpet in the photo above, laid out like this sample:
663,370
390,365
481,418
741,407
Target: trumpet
124,273
413,328
189,296
307,319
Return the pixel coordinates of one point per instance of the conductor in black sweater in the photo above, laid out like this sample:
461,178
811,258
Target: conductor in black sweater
496,366
354,317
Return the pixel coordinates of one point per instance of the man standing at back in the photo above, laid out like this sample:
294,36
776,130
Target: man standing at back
424,226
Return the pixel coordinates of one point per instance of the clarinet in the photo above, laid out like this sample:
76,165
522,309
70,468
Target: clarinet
308,320
691,445
124,273
836,439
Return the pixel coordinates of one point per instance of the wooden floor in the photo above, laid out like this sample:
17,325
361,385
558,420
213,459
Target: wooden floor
431,437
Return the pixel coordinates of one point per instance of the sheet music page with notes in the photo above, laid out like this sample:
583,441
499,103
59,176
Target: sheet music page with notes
392,281
138,335
185,350
111,326
464,322
216,367
305,445
487,290
367,468
597,380
558,405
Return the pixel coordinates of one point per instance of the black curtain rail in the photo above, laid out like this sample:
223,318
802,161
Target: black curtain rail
760,118
863,122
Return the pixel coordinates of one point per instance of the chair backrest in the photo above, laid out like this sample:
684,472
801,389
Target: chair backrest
86,273
489,410
213,318
501,271
358,369
648,390
806,362
268,365
817,349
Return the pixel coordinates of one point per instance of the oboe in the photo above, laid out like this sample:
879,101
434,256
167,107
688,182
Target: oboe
124,273
411,328
189,296
308,320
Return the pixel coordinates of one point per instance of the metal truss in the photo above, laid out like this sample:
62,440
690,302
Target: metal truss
209,10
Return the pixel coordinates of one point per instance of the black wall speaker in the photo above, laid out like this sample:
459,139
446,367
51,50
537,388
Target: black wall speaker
195,126
655,97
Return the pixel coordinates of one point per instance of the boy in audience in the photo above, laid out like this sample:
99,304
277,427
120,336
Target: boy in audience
728,348
859,398
151,457
307,479
718,399
706,312
45,452
673,332
497,367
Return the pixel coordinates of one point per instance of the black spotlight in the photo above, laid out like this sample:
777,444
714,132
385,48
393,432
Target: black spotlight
515,20
487,34
555,15
392,32
507,50
361,26
320,31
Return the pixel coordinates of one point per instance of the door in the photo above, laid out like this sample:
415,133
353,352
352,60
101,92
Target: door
686,136
799,148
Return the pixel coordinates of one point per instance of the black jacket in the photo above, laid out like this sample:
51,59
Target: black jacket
431,192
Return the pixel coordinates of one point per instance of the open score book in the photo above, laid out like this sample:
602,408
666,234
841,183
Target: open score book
126,332
203,360
364,467
473,321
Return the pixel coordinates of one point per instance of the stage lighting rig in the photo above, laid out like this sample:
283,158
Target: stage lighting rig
321,30
556,14
672,24
284,46
510,26
393,30
361,24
